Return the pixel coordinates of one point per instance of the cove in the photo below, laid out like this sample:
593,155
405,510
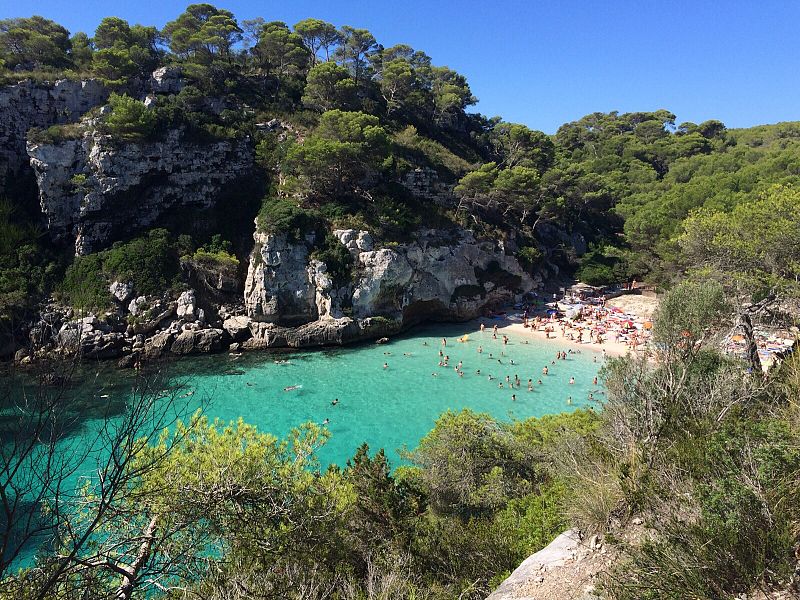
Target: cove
392,407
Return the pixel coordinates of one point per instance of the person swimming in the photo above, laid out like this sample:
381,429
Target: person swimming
569,400
545,370
289,388
326,421
335,401
594,381
539,382
385,365
571,380
478,372
480,349
513,397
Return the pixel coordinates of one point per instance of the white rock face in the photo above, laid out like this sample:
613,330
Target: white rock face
559,552
443,275
279,285
96,190
138,305
167,80
31,104
187,306
121,291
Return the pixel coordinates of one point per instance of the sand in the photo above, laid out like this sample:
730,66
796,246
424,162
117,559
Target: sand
642,307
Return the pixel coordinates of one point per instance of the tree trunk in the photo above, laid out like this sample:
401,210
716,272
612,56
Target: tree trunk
129,580
752,347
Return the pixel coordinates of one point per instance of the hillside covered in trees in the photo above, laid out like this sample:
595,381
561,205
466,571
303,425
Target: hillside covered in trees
352,121
249,184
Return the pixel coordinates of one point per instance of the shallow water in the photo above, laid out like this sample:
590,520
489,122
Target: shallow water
390,408
395,406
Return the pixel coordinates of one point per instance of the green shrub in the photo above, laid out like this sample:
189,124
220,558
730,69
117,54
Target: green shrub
149,262
529,255
55,134
284,215
130,120
337,258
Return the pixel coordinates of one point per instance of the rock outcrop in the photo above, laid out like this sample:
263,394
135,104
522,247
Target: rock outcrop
566,568
94,190
445,275
30,104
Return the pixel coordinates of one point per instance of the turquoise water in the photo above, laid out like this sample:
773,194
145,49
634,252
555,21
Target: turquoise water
389,408
395,406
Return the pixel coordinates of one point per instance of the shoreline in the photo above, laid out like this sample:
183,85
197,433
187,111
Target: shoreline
509,326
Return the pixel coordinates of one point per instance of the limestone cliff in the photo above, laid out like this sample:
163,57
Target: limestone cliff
94,190
444,275
29,104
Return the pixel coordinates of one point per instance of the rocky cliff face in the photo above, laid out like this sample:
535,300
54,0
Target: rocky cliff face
440,275
29,105
94,190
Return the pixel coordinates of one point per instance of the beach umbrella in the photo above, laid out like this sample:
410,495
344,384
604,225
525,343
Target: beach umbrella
738,338
648,324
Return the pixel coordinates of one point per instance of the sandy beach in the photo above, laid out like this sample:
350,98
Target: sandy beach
640,307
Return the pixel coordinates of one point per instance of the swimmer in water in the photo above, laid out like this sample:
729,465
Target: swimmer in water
571,380
594,381
480,349
539,382
500,385
478,372
512,362
530,385
326,421
491,378
335,402
513,397
385,365
434,374
569,400
289,388
545,370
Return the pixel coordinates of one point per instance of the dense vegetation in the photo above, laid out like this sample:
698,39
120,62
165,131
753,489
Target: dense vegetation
700,446
355,117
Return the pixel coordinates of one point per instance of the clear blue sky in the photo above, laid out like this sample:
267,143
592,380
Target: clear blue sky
546,62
